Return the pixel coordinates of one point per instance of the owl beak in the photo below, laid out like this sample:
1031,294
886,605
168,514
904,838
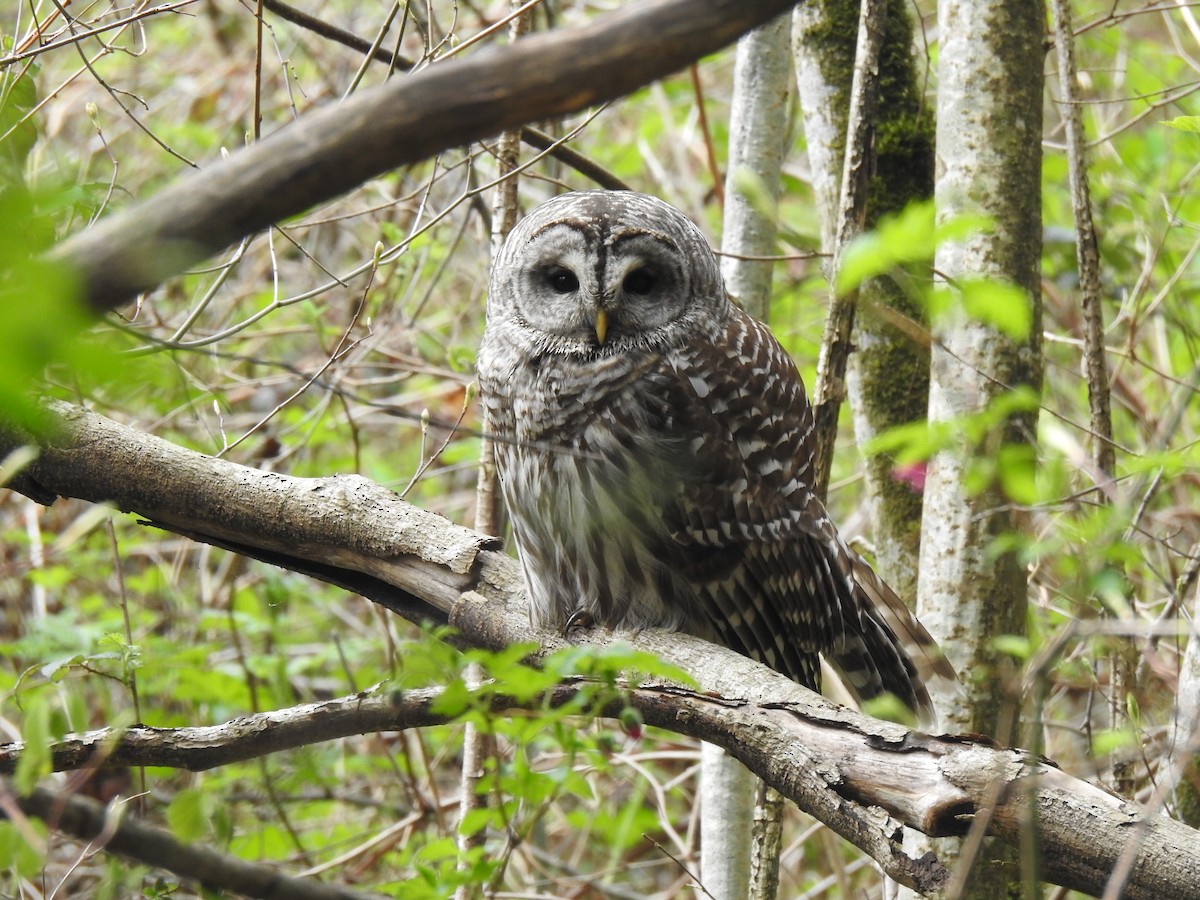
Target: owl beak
601,325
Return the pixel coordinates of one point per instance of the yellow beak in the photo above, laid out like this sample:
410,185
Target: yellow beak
601,325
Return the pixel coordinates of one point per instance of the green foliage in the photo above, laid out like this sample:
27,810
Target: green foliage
890,708
43,316
912,236
1184,123
38,735
188,814
1014,645
988,460
1005,307
19,858
18,127
909,236
1111,741
520,788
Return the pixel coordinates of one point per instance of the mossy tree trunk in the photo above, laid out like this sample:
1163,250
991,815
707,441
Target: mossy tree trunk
888,375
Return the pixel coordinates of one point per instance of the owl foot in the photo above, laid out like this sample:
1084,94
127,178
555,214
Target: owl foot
581,618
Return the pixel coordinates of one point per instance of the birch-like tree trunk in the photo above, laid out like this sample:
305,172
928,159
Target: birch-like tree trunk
758,134
888,377
757,137
489,515
1184,776
989,130
989,158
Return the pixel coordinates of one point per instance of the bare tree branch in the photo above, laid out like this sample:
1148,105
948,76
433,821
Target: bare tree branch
860,776
203,747
344,528
1087,251
89,820
448,104
835,763
589,168
829,389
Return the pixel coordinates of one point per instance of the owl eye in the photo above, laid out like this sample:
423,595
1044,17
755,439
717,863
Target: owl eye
640,281
562,281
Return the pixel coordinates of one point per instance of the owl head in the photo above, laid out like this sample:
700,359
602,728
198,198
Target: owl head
601,273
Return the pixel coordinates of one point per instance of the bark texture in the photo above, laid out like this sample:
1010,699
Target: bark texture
887,380
989,127
758,132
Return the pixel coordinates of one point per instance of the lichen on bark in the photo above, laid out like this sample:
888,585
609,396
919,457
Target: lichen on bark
888,375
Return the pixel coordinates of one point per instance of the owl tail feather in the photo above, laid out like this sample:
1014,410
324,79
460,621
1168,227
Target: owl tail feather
890,651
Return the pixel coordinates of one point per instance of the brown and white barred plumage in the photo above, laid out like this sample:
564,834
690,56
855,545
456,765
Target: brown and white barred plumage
654,445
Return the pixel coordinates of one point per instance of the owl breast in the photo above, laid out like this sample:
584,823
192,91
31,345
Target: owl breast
589,476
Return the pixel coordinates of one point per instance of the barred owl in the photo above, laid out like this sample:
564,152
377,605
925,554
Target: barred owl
654,447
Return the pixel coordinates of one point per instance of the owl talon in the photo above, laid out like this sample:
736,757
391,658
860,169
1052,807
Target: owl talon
581,618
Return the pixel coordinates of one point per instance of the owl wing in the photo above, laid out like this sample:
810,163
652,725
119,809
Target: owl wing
767,567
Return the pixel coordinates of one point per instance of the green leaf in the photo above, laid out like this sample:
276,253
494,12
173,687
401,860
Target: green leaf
1014,645
917,441
188,814
1016,464
1105,742
910,236
1004,306
35,760
907,236
1112,590
1184,123
1134,710
890,708
18,97
476,820
16,853
45,319
611,661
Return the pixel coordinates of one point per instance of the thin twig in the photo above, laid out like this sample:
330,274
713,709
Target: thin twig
829,388
1086,251
23,51
88,820
710,152
532,136
1123,658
